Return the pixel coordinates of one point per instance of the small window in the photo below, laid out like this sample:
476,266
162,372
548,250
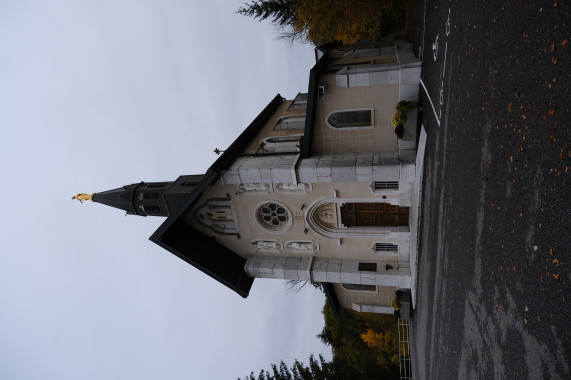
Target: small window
367,267
218,214
280,144
350,119
386,247
150,209
359,287
290,122
387,185
142,196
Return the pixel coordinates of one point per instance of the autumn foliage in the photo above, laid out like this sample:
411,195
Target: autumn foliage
321,21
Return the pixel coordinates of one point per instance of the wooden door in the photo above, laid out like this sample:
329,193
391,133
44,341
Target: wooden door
373,215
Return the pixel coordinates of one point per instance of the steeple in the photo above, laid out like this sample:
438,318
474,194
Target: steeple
146,198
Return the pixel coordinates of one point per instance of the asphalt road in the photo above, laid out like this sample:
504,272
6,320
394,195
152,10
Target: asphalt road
494,256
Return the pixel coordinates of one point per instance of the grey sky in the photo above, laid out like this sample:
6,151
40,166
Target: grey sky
98,94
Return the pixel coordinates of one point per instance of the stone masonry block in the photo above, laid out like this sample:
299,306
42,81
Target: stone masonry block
334,277
307,174
319,276
367,278
350,278
343,173
231,178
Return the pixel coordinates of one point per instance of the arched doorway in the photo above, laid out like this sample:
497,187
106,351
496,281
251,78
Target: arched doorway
358,214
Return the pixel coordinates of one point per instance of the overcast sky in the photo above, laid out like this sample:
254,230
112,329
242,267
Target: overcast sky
99,94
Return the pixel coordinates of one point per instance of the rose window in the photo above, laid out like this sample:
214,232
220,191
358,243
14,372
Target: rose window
273,216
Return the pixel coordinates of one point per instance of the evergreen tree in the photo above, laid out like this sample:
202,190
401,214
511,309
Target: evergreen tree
280,12
316,370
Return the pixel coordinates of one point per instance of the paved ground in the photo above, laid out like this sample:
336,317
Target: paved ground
494,262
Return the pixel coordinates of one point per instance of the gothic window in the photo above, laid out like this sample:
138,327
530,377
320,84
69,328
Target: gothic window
290,122
359,118
280,144
373,215
218,215
273,217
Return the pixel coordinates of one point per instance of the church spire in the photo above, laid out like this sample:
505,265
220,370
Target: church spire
146,198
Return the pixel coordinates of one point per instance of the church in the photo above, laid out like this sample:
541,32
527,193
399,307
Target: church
317,188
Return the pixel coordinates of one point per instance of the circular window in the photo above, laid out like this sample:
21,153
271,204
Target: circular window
273,216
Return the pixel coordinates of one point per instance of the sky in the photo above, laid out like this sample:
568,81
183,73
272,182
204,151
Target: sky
95,95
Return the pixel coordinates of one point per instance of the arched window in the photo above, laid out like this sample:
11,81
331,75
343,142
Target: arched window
338,218
142,196
290,122
153,209
347,119
218,215
280,144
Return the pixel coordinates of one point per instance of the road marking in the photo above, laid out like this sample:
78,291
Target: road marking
435,48
428,96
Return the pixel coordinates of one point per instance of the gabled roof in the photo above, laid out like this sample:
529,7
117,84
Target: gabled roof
198,249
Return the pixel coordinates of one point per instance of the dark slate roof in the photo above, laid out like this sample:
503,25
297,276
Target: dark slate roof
198,249
312,93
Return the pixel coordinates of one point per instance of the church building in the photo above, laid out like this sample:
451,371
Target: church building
317,188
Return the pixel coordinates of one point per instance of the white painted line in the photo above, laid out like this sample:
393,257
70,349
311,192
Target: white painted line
428,95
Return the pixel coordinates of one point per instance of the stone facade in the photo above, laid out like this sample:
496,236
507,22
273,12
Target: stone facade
285,208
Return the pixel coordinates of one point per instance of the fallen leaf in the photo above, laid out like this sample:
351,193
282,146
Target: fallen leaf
553,46
564,43
510,107
554,60
541,278
556,276
535,248
526,309
538,318
551,112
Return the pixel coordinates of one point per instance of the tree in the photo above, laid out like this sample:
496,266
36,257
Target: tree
282,13
316,370
321,21
352,357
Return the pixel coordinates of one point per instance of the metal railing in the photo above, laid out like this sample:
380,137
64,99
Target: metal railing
404,350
